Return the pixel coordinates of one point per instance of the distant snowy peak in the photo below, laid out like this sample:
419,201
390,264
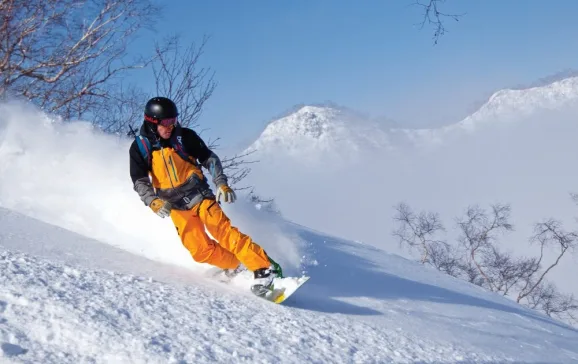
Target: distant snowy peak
513,104
508,105
320,129
311,122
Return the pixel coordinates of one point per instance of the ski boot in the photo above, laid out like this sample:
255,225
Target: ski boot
263,283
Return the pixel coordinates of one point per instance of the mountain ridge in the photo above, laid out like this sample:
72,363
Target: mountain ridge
508,103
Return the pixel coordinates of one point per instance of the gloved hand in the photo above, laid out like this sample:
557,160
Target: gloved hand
226,191
161,207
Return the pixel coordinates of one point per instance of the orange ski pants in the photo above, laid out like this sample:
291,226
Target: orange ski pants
233,246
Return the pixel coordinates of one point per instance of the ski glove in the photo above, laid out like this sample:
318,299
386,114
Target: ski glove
227,192
161,208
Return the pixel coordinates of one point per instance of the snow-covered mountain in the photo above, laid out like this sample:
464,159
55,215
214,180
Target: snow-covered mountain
331,130
315,132
516,104
90,275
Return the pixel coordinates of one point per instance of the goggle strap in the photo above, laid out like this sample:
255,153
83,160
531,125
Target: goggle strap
172,121
150,119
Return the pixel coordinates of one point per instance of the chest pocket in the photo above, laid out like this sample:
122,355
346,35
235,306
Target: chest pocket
169,170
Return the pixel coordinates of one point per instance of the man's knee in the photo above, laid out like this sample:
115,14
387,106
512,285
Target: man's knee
202,254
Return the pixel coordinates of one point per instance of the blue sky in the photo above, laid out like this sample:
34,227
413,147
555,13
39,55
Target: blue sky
367,55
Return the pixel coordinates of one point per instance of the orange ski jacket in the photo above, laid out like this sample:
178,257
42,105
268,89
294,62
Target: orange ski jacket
170,177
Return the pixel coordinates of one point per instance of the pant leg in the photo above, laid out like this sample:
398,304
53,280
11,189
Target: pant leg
229,237
202,248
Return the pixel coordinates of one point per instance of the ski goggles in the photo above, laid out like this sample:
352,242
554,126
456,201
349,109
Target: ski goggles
164,122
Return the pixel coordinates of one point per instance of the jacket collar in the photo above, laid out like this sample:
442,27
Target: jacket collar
146,131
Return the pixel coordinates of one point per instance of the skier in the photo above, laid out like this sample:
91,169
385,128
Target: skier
165,167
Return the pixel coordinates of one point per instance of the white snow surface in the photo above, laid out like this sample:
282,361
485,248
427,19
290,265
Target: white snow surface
90,275
65,298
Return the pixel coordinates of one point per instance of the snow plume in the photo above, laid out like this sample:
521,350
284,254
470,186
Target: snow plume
72,175
272,232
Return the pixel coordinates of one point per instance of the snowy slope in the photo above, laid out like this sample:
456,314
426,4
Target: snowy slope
68,299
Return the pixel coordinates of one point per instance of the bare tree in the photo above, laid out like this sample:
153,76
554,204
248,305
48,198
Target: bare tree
179,76
432,15
546,298
480,261
506,272
548,234
522,278
237,166
419,231
478,234
121,111
64,55
445,259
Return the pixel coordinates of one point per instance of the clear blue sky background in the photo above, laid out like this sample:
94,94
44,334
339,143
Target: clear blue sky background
367,55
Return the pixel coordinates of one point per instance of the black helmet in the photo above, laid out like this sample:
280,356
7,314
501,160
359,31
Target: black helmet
160,108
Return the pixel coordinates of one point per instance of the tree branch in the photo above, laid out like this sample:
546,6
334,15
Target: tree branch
433,16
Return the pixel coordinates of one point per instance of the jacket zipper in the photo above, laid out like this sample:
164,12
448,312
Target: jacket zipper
173,167
185,198
167,168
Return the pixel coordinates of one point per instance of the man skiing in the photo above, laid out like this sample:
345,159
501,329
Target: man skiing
165,167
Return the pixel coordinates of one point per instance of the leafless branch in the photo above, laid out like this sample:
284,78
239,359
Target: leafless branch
547,298
418,230
548,234
479,232
480,261
179,76
65,55
434,17
444,258
237,168
121,111
507,272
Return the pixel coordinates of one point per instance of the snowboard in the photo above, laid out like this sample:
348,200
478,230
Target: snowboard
284,288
